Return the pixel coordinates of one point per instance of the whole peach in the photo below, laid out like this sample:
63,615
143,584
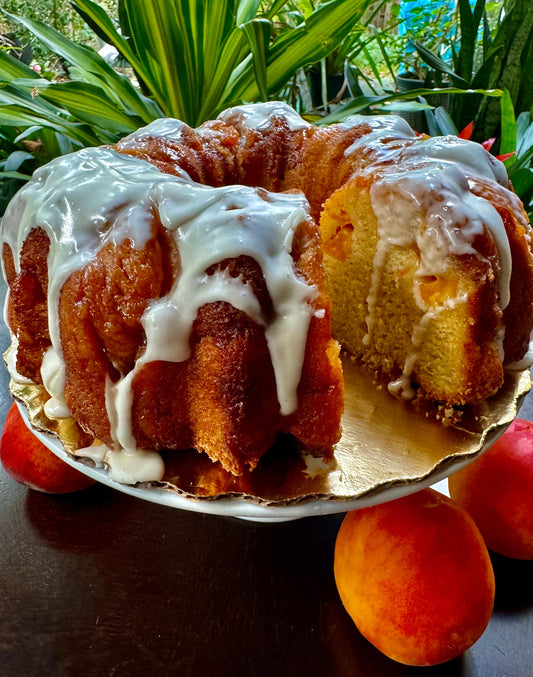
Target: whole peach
497,490
28,461
416,578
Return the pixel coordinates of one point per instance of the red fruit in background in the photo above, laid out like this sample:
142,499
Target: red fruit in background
28,461
497,490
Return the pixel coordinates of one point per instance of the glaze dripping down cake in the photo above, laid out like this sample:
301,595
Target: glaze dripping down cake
173,291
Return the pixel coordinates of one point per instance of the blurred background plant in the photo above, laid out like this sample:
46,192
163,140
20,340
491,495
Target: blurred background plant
187,58
58,14
431,24
87,73
491,48
362,56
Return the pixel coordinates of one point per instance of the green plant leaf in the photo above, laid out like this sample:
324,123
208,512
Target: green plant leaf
97,18
16,116
163,37
402,106
503,63
524,134
323,30
469,21
88,104
440,122
508,125
258,35
384,54
522,180
221,35
483,76
15,159
13,95
11,68
14,175
232,53
19,109
523,160
117,86
362,103
247,10
438,64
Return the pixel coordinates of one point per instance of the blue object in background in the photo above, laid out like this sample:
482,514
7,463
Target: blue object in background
414,15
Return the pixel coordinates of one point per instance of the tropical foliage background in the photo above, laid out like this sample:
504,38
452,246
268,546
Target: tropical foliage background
86,73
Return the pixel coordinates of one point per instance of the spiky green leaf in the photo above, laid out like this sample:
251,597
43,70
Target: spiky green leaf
117,86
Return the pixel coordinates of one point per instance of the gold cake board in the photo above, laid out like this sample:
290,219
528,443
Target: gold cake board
385,443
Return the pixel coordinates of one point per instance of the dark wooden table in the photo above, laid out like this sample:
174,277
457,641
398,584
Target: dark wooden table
99,583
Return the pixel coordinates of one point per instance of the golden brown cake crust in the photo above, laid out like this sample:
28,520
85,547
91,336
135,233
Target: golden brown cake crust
27,312
222,399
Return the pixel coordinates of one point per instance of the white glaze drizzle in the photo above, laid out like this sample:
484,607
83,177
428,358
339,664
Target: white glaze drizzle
125,467
430,167
128,466
72,199
378,146
381,141
525,362
258,116
10,360
53,375
168,128
421,196
446,216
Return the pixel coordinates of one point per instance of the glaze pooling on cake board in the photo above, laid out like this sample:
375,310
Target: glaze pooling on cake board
371,463
422,192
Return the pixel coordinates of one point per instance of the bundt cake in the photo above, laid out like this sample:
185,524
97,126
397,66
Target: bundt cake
169,292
